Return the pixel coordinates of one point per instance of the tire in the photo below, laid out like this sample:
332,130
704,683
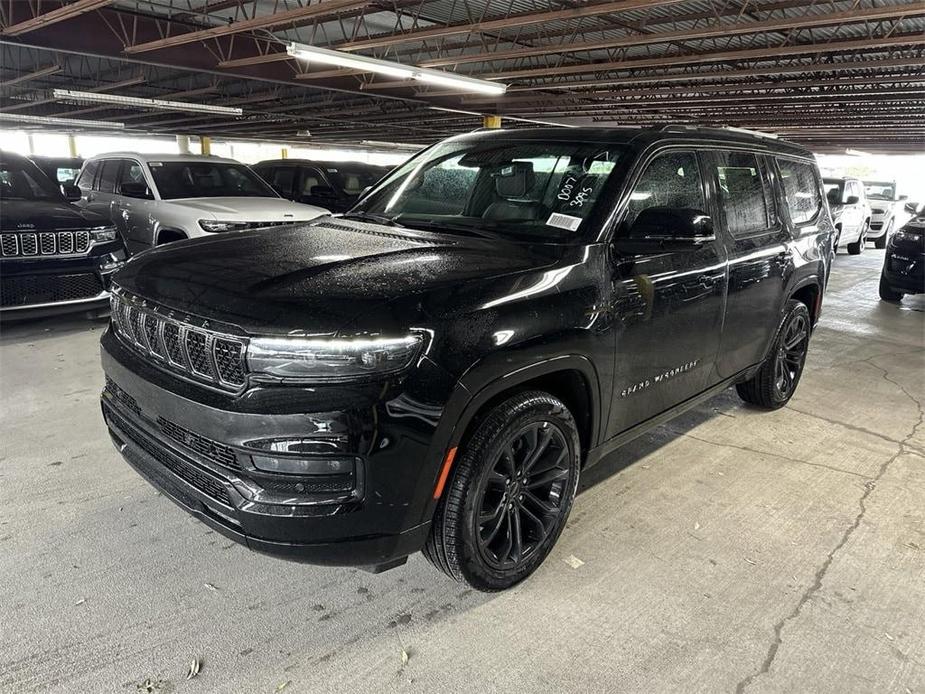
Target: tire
777,378
473,537
856,247
887,293
880,241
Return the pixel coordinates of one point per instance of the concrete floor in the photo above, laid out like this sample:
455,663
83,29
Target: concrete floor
731,550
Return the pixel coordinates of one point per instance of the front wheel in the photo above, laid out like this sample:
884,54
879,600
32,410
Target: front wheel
510,494
777,378
880,241
887,293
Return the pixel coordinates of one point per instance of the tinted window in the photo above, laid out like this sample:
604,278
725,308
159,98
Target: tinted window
131,172
801,189
833,192
744,193
207,179
281,178
310,179
25,182
670,180
109,175
353,180
87,174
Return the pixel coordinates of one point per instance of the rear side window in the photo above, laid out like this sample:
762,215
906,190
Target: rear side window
800,189
744,193
670,180
109,175
87,175
310,179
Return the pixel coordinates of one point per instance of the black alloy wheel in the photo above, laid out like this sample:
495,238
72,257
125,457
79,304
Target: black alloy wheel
521,493
509,494
791,354
775,381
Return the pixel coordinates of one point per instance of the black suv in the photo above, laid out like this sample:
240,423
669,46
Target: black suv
335,186
54,257
904,262
434,369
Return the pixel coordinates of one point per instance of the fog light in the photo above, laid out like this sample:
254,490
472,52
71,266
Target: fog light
303,466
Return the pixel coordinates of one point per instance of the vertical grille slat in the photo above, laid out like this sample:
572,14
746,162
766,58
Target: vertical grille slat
214,358
20,244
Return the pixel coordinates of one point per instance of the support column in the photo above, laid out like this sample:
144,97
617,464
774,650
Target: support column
284,153
72,145
31,144
206,143
491,121
183,144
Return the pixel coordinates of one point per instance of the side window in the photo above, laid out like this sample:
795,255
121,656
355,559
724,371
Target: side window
744,193
280,178
87,175
670,180
310,179
109,175
131,172
801,189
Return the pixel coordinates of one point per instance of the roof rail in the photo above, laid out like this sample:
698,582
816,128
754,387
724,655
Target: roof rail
682,127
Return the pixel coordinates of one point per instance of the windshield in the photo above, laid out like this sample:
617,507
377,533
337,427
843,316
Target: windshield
18,182
537,189
206,179
880,191
353,180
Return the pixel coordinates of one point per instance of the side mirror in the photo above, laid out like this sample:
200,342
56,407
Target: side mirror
852,200
911,207
833,197
135,190
660,229
70,192
902,197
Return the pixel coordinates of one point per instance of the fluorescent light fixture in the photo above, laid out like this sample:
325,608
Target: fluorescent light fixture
392,145
326,56
455,110
303,133
51,120
857,153
139,102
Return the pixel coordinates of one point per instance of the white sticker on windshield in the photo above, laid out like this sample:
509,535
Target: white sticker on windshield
564,221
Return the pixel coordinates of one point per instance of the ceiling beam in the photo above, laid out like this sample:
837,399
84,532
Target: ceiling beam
36,74
516,20
326,8
714,31
66,11
764,53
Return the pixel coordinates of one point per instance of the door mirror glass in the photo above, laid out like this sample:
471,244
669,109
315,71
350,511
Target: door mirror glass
70,192
660,229
852,200
135,190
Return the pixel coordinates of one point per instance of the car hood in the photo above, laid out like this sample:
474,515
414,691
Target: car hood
322,278
252,209
46,215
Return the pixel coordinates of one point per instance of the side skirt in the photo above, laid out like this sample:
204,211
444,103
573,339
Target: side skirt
596,454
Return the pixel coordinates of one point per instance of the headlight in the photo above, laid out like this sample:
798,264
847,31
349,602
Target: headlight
308,359
214,225
103,234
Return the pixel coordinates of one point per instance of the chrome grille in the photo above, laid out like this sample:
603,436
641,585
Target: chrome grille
24,244
204,355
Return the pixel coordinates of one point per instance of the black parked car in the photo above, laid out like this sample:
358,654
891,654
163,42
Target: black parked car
434,369
904,263
335,186
54,257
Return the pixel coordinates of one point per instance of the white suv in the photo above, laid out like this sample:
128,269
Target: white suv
884,204
159,198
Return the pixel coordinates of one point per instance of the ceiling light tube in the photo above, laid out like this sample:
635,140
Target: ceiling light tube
51,120
139,102
326,56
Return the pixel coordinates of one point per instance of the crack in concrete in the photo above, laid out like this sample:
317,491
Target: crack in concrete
861,430
869,486
799,461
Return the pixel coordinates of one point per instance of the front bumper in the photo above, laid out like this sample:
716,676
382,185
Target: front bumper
375,522
40,286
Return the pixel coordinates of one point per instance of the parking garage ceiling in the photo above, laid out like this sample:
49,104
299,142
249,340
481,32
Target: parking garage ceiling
828,74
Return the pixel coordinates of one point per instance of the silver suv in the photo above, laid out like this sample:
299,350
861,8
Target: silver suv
158,198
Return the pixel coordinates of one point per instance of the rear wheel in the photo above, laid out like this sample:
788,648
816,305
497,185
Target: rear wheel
777,379
887,293
510,495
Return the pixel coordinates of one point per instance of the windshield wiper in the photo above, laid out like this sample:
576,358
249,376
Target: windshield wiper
371,217
449,227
